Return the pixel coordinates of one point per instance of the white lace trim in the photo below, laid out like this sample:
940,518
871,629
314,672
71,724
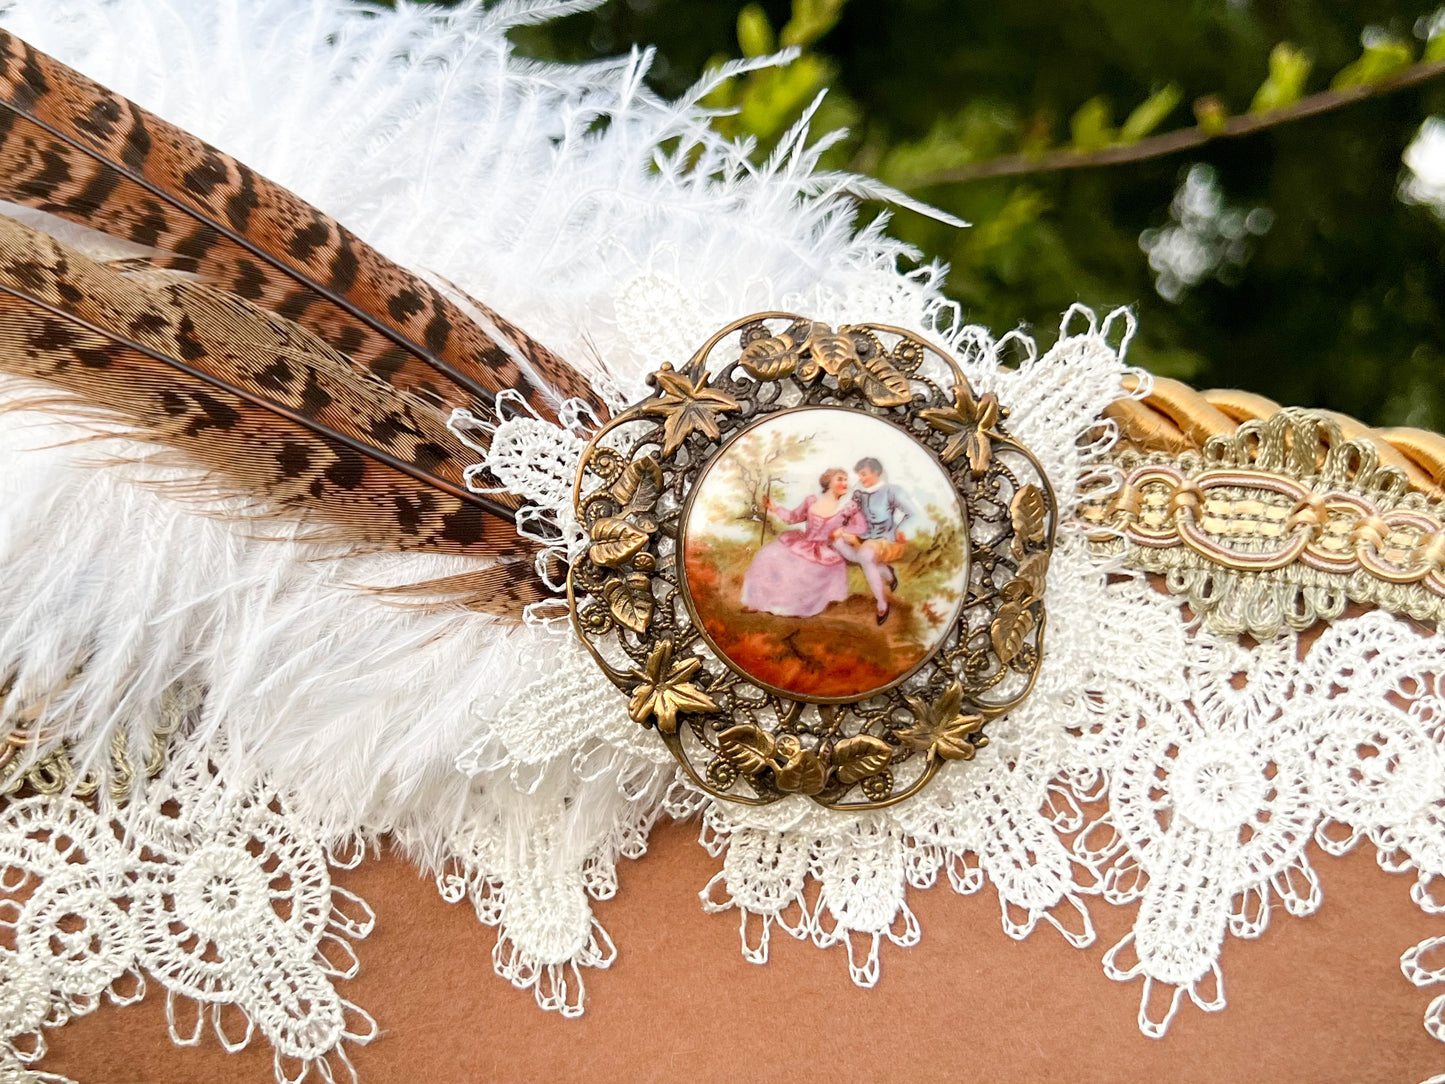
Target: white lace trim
1136,776
1188,778
1241,780
213,894
1202,807
624,255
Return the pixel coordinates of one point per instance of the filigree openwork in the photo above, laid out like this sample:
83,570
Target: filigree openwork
746,739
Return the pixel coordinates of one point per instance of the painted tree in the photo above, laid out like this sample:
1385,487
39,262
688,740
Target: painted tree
752,469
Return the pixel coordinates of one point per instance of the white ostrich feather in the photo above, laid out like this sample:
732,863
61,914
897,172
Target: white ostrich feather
424,134
622,231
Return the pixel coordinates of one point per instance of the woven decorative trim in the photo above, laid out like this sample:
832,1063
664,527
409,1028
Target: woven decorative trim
1172,417
55,772
206,892
1280,523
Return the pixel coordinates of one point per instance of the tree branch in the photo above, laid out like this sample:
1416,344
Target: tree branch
1013,165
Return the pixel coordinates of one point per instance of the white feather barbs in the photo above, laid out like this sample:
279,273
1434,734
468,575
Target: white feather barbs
425,135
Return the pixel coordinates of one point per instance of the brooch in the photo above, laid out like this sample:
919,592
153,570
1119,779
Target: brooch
815,562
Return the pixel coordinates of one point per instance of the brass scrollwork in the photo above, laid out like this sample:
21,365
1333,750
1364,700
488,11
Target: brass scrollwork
736,736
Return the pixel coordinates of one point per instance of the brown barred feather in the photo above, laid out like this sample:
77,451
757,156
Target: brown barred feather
265,409
256,349
74,149
502,588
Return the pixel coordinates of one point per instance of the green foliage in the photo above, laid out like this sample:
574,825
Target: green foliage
1340,304
1090,125
1383,57
755,33
1289,67
1210,114
763,104
1150,113
1435,47
811,20
979,131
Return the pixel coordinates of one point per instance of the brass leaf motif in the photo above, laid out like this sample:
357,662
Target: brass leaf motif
1016,590
884,385
979,450
1033,570
1028,512
663,689
966,424
630,600
747,748
941,729
946,420
752,751
686,407
798,770
834,352
1014,622
637,486
860,756
615,542
640,485
837,354
771,358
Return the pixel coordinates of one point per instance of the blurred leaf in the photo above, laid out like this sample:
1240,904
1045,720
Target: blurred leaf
1435,48
1038,135
992,238
1381,59
1150,113
1289,67
755,33
776,96
1342,302
811,20
981,129
1090,126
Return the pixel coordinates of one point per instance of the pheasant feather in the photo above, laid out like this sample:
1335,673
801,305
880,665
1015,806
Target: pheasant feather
72,148
264,408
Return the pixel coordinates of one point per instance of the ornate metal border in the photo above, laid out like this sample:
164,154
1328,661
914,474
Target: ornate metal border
737,739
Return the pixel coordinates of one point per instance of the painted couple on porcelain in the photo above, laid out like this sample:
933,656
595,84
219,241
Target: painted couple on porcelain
803,572
817,580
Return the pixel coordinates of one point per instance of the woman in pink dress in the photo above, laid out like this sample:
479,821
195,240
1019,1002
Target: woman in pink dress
799,573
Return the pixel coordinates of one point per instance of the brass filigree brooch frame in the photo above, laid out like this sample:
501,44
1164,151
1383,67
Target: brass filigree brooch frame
741,736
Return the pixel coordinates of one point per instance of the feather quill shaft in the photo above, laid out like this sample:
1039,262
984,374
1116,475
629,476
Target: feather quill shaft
279,410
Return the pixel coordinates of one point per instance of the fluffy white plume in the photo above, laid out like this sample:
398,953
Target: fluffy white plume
619,229
544,189
616,227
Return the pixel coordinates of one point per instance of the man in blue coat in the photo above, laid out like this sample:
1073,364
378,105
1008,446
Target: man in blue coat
875,537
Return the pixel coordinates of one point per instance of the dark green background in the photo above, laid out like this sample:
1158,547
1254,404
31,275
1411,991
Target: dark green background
1342,303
